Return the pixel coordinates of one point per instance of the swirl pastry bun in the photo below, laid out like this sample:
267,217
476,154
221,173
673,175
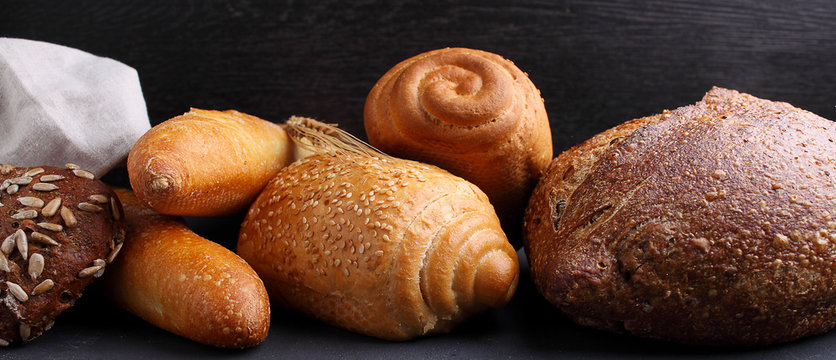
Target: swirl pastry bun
470,112
710,224
385,247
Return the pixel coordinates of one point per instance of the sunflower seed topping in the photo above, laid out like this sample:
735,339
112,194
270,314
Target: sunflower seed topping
86,272
99,198
36,265
8,244
22,243
6,169
100,263
43,287
44,187
50,226
4,342
51,207
33,172
68,216
51,178
12,189
114,252
21,180
25,331
85,206
30,201
5,185
4,263
114,208
84,174
17,291
25,214
72,166
43,239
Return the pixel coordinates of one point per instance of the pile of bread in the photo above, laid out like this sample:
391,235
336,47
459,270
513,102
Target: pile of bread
709,224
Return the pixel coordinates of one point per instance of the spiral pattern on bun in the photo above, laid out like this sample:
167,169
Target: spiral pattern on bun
470,112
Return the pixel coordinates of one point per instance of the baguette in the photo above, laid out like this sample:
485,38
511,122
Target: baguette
186,284
382,246
470,112
206,163
710,224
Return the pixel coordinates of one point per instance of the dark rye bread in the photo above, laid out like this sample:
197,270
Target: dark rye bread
710,224
51,249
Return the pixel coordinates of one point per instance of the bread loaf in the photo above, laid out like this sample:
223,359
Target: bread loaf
709,224
381,246
186,284
59,230
206,163
470,112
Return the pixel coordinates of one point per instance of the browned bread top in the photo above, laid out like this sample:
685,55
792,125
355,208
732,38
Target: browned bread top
470,112
707,224
385,247
59,229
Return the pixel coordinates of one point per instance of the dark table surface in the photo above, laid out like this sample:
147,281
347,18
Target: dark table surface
597,64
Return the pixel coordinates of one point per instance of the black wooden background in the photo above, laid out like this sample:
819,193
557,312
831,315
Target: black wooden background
597,63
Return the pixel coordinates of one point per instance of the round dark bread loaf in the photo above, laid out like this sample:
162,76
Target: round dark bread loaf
710,224
59,228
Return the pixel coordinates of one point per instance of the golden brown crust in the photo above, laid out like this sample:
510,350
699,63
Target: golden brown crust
385,247
206,163
470,112
709,224
60,229
186,284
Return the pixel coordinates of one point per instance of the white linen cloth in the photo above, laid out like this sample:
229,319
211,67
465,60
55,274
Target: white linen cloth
61,105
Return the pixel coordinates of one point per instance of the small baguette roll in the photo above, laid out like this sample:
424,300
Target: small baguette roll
206,163
470,112
381,246
183,283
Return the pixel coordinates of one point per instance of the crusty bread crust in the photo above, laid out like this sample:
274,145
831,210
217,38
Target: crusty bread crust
60,230
470,112
385,247
183,283
708,224
206,163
